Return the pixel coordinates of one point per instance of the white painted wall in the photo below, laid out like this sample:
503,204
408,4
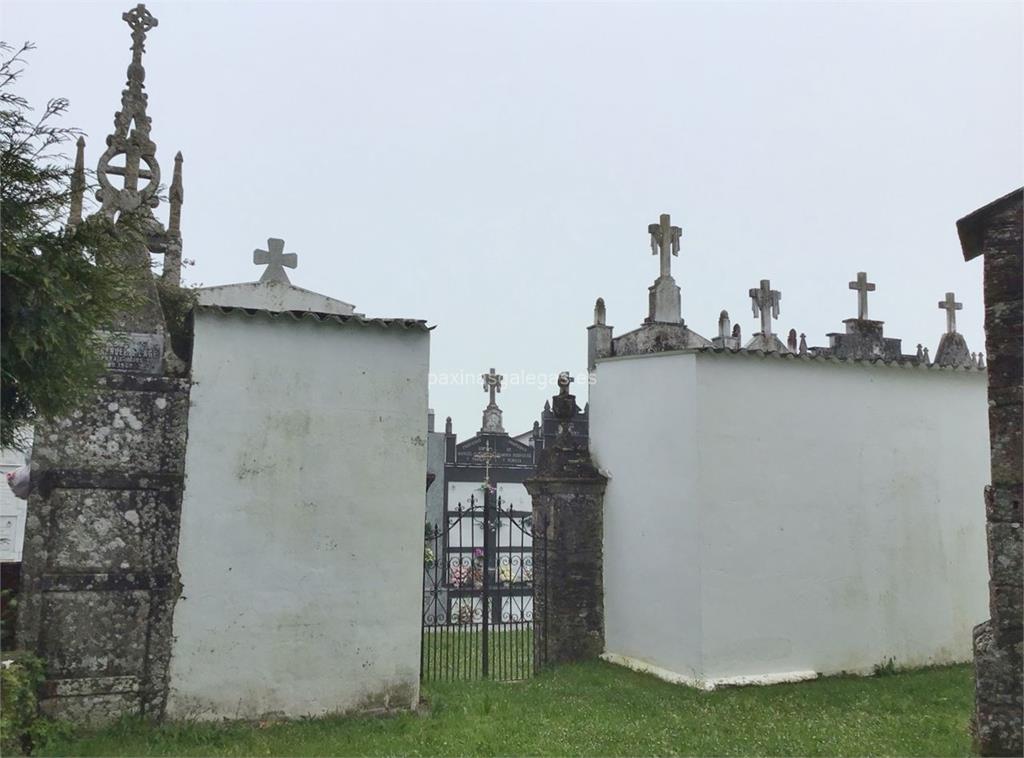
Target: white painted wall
837,509
643,435
301,549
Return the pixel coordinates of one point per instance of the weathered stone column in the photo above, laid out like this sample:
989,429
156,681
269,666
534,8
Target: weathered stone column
568,502
996,231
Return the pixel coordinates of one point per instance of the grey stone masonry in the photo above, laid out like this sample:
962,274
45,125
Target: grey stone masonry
864,340
99,577
997,232
568,498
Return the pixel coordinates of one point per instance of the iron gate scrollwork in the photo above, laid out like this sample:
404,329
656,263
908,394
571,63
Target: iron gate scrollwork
479,592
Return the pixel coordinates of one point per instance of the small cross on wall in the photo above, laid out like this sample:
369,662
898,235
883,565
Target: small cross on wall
950,306
275,259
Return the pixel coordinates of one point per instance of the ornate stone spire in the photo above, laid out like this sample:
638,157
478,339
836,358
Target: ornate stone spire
130,137
77,184
172,252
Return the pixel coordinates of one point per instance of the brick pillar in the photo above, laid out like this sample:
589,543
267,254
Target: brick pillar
996,232
568,501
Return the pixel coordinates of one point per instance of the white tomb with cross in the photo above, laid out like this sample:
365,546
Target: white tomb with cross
273,291
301,539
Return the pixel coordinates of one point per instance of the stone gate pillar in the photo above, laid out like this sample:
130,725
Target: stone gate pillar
996,232
568,502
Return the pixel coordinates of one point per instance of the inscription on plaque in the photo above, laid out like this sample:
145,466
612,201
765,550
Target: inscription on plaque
134,352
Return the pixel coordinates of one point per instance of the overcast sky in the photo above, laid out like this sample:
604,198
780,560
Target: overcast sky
492,168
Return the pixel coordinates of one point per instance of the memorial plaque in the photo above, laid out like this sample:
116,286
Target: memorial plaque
134,352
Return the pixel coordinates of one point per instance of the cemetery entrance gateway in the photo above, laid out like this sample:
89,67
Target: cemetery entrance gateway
478,592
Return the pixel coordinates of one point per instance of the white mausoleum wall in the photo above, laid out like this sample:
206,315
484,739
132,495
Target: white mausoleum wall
644,436
301,548
834,506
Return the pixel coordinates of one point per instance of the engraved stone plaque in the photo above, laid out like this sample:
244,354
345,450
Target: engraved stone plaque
134,352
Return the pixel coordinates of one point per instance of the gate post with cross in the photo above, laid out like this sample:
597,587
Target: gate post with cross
568,509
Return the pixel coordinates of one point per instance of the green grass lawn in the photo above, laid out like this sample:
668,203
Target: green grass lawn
599,709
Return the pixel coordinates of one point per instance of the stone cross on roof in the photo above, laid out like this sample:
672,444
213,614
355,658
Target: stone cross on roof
950,306
863,287
492,383
275,259
765,303
665,240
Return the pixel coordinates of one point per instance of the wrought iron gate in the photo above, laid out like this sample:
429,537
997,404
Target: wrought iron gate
478,592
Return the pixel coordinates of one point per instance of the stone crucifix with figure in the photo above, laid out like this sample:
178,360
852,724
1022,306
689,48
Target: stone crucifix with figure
863,287
492,413
275,259
665,303
764,302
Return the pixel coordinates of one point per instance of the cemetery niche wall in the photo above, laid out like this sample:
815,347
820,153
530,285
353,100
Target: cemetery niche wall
796,510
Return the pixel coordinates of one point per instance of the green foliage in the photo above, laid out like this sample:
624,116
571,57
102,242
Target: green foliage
886,668
22,729
58,285
602,710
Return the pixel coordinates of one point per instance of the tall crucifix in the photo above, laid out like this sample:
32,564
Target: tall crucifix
765,303
275,259
863,287
665,240
492,383
951,306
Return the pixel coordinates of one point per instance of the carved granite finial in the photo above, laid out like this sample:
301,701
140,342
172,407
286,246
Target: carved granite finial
981,360
564,405
973,361
737,332
448,425
130,137
547,406
920,351
803,344
791,340
172,250
176,197
599,312
77,184
275,259
927,360
723,324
